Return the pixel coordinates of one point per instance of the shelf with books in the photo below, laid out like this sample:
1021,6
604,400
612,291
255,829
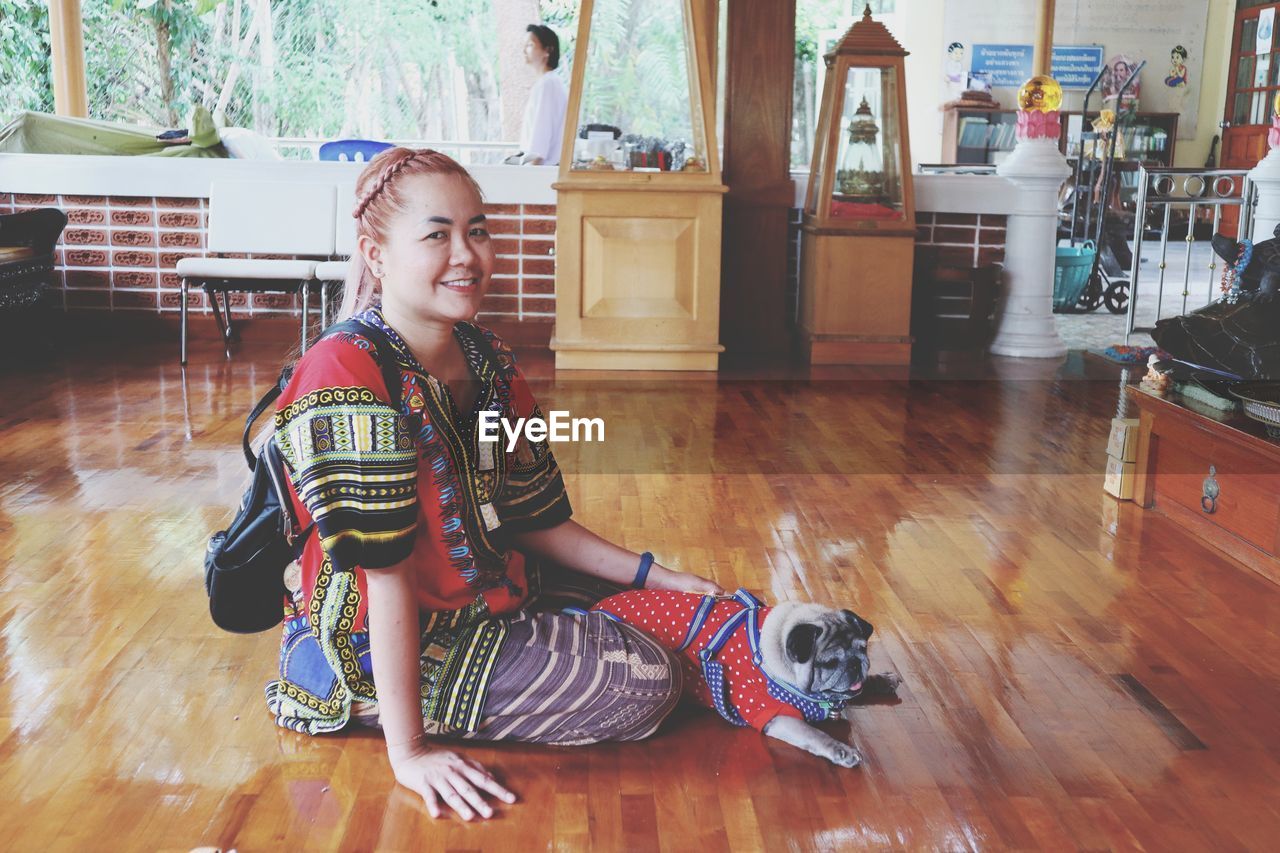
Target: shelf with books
978,135
981,135
1146,137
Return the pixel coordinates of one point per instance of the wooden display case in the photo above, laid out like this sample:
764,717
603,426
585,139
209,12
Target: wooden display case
637,247
858,227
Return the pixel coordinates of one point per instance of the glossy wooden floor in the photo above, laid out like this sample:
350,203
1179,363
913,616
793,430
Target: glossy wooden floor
1078,674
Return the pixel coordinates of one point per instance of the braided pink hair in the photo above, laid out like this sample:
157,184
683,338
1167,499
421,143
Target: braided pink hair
379,199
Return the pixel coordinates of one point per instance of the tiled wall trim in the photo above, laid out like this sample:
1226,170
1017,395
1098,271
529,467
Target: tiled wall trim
121,253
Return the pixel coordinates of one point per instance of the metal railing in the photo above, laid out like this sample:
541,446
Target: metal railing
1162,191
466,153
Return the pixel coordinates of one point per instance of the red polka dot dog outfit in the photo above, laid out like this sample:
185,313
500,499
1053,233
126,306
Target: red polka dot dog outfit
717,639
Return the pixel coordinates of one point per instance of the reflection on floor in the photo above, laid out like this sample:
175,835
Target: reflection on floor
1077,673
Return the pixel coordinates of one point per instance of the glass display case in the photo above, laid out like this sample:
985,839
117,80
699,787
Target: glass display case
858,227
640,104
639,197
857,169
868,181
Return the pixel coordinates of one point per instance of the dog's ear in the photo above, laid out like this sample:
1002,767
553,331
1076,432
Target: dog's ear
860,625
800,642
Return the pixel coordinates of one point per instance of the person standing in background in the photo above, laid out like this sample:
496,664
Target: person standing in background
543,127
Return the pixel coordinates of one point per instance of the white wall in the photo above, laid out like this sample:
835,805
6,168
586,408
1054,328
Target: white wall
923,37
1213,90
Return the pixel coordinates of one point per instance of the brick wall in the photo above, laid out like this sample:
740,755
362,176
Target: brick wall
963,239
120,253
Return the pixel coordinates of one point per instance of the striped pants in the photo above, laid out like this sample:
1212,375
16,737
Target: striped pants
570,680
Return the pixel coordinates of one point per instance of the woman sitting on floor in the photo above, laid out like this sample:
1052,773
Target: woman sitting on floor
425,572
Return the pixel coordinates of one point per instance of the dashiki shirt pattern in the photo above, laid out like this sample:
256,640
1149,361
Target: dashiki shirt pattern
382,486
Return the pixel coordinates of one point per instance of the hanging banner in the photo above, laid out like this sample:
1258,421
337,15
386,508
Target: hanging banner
1266,30
1004,64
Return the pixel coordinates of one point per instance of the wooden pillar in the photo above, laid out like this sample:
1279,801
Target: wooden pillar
1042,58
759,66
66,37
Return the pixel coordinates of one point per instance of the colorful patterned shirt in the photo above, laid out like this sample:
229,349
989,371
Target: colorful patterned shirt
384,485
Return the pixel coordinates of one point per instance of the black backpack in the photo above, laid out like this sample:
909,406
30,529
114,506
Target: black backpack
244,565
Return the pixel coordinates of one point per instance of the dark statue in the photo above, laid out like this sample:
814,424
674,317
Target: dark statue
1240,333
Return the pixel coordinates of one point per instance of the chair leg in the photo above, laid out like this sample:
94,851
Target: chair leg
182,311
324,305
224,325
226,312
306,295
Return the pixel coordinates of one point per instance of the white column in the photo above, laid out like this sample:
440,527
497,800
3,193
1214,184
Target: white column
1266,176
1025,326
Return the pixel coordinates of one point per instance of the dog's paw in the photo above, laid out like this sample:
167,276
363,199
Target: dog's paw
884,682
844,755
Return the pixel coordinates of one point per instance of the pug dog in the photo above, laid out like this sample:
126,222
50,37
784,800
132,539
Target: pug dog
822,651
812,660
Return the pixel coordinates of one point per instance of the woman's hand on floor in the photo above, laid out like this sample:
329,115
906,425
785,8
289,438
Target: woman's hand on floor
664,578
442,774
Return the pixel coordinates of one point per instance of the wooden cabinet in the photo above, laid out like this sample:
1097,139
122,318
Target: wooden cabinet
1219,478
638,247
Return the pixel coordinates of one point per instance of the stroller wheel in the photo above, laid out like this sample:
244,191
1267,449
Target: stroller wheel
1117,297
1092,296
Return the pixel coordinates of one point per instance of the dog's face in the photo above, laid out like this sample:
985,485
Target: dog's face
817,649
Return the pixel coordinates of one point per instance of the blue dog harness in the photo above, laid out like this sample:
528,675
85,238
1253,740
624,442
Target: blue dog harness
813,708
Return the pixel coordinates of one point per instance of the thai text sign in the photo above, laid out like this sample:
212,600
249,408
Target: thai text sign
1074,66
1005,64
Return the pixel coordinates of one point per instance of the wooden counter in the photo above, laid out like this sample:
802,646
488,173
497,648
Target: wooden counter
1182,454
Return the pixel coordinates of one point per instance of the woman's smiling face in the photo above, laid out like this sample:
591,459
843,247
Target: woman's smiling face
437,259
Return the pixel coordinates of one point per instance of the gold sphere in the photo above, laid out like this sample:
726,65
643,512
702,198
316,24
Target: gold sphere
1040,94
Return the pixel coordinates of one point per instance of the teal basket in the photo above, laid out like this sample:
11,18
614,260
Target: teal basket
1071,273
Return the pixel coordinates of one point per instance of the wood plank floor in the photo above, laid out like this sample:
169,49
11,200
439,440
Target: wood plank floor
1077,673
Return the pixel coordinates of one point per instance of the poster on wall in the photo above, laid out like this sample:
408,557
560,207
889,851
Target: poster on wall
1266,30
1168,34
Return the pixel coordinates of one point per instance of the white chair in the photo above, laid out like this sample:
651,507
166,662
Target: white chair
261,217
344,244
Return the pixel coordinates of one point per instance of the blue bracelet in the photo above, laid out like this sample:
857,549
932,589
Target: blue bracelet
642,573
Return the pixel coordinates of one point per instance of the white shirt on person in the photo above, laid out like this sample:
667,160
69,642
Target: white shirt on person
543,129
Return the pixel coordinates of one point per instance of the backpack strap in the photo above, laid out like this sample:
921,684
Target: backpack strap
268,399
383,354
